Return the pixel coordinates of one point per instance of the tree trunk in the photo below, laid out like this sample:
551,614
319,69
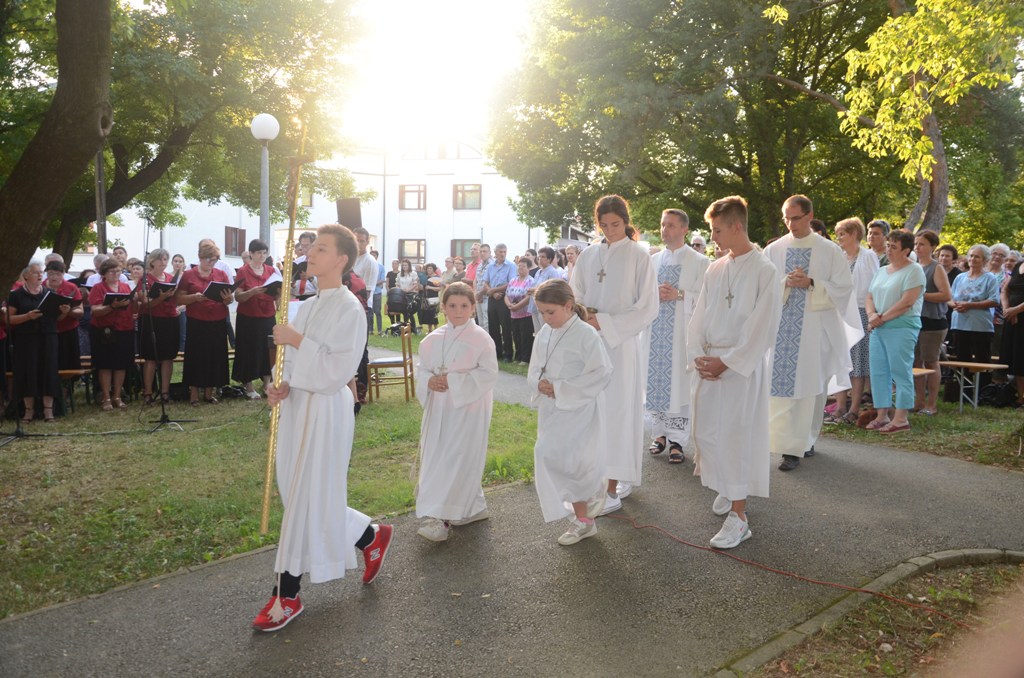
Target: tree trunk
914,218
938,197
73,129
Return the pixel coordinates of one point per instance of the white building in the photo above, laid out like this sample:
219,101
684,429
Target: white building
432,201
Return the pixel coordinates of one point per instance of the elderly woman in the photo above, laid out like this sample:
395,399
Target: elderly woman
34,337
975,294
254,321
933,323
893,305
113,334
517,298
158,326
206,334
69,356
863,266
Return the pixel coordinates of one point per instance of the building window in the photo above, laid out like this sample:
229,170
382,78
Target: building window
413,250
412,197
234,241
462,248
466,196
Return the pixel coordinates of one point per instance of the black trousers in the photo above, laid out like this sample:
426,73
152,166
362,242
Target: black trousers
522,337
499,324
971,347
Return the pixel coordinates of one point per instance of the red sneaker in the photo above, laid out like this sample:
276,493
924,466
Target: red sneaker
290,609
375,553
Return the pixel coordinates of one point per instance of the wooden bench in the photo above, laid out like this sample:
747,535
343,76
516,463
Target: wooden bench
963,372
68,379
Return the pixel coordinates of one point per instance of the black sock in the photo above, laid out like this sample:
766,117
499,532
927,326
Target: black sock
366,539
289,585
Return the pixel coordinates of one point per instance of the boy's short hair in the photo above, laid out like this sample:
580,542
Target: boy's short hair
344,240
732,209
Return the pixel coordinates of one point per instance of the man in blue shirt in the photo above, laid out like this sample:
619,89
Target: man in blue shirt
378,291
547,271
499,318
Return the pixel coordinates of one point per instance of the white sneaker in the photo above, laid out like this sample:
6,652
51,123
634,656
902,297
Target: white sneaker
482,515
253,395
721,506
577,531
611,505
597,504
623,489
434,530
732,533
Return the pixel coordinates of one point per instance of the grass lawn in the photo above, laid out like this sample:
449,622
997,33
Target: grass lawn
888,639
985,435
106,503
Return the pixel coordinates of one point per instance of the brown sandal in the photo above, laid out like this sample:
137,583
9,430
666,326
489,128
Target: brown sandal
106,406
48,415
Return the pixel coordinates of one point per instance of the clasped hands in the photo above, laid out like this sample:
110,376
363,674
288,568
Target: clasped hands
798,278
709,367
546,387
667,293
438,382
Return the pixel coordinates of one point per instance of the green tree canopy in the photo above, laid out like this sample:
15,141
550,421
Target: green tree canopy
187,78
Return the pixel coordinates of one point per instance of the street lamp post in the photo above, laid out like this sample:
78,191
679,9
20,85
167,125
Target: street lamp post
265,129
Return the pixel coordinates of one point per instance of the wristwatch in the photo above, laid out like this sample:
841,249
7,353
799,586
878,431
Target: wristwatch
679,295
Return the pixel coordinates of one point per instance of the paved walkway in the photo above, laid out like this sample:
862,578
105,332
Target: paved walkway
502,598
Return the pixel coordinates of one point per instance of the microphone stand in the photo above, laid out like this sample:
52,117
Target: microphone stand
164,420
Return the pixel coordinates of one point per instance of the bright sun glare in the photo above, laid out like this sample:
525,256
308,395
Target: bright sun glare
428,69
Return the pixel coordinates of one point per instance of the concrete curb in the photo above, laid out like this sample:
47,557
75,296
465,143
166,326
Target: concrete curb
834,612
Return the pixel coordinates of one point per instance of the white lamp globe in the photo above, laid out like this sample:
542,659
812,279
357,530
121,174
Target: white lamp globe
265,127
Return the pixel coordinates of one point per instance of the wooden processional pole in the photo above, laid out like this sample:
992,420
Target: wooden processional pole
282,319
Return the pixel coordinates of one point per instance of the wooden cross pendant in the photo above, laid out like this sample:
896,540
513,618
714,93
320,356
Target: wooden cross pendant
600,276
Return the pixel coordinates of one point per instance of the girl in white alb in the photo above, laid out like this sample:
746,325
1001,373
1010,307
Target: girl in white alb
569,370
454,383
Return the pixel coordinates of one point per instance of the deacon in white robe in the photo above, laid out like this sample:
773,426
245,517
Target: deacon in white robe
618,280
819,325
735,319
453,435
314,441
568,466
680,272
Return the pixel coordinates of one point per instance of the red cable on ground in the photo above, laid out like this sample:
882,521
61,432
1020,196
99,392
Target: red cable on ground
793,575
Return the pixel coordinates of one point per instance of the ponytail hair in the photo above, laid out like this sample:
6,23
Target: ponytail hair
556,291
617,205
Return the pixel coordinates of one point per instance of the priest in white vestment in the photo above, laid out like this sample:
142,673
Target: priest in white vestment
319,532
730,338
819,325
615,278
680,271
455,381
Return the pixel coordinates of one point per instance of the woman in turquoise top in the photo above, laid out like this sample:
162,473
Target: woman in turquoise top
893,305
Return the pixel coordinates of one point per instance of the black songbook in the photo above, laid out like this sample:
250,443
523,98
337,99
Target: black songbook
297,269
214,289
51,303
111,297
158,288
273,284
303,297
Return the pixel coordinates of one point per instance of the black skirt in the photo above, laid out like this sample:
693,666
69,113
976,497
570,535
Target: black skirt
112,349
206,353
252,348
1012,351
69,356
167,334
35,365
